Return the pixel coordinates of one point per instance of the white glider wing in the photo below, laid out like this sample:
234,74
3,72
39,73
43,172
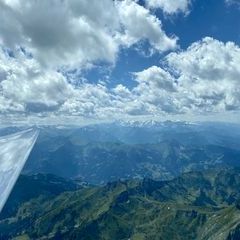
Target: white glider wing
14,151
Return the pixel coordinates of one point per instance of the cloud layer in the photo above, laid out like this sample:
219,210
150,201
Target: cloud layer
170,7
203,78
42,40
72,33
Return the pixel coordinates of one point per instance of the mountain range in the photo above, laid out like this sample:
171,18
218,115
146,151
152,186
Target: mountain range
128,180
195,205
107,152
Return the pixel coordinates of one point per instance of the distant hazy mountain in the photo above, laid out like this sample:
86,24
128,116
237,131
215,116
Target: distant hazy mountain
196,205
107,152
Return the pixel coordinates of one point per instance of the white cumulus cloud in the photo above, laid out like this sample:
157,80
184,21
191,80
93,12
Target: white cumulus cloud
76,32
139,24
205,78
232,2
25,86
42,40
170,6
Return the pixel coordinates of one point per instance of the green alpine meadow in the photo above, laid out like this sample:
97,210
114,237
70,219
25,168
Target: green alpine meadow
195,205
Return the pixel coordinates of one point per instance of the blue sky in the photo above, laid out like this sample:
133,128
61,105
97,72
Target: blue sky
154,59
207,18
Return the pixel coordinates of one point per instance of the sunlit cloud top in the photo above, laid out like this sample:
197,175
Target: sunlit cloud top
105,60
